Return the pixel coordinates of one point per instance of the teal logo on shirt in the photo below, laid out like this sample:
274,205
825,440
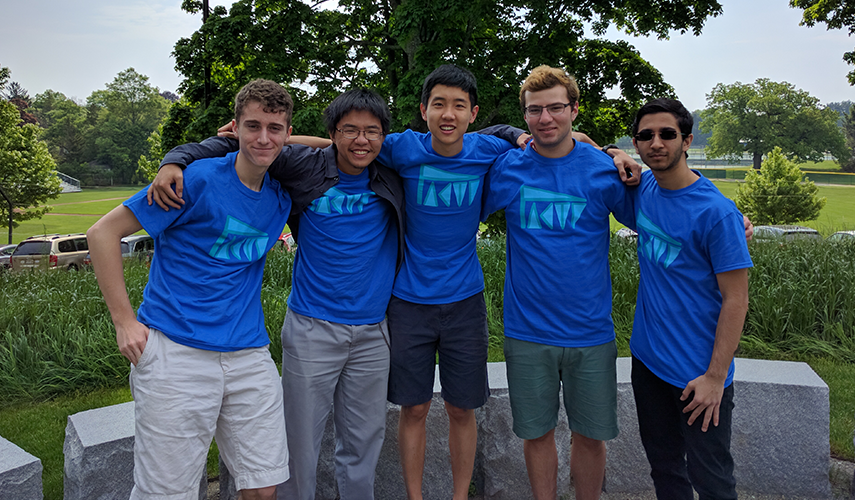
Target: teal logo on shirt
239,241
337,201
438,186
654,244
539,207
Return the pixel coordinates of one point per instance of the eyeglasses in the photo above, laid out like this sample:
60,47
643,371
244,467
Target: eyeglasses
353,133
666,134
554,109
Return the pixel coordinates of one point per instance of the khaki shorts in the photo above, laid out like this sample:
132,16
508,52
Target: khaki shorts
184,397
536,373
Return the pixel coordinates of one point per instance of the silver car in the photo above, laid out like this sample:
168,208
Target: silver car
5,253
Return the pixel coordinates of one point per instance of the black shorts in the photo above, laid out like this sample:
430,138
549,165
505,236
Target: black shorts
458,332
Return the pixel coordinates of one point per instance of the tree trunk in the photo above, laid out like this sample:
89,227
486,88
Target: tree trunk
758,159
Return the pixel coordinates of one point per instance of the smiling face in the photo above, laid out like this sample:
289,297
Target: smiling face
658,154
552,134
353,155
261,135
448,114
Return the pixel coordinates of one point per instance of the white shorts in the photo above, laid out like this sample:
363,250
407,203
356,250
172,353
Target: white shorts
184,397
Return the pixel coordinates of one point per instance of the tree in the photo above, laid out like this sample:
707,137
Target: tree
836,14
842,109
757,117
391,46
125,115
14,90
779,193
27,171
848,164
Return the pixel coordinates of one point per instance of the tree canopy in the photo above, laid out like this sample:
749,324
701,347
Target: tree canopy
836,14
391,46
27,171
848,164
758,117
779,193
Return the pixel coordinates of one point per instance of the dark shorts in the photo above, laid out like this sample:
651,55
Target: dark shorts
458,332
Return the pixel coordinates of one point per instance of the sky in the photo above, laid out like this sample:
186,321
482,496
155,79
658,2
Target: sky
78,47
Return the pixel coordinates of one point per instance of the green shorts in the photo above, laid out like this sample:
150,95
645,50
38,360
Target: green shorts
536,372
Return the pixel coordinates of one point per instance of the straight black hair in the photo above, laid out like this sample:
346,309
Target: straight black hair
664,105
358,99
451,75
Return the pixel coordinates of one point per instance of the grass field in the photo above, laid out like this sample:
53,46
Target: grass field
82,209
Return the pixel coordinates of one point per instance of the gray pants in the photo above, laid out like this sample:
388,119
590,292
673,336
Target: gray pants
346,367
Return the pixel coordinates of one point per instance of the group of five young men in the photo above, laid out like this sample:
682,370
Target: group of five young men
376,294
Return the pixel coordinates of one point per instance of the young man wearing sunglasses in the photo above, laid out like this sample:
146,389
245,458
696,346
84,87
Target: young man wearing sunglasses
557,196
692,301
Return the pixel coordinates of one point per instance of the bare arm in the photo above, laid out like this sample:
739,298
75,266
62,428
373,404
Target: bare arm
311,141
709,387
105,249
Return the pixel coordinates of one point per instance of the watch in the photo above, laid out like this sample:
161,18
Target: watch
607,147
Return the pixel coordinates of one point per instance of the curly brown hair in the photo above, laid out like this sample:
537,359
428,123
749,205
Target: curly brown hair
545,77
272,97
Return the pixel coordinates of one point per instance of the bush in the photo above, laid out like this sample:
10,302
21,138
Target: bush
779,194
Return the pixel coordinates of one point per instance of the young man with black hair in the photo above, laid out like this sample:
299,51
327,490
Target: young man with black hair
198,345
692,301
348,223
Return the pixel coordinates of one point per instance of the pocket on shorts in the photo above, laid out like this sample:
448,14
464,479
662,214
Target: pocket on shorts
148,350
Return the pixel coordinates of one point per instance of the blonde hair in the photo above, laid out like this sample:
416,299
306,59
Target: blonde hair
545,77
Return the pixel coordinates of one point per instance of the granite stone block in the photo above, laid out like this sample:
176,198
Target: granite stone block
99,453
780,429
20,473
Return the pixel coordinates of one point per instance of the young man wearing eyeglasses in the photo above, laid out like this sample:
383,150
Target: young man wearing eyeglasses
348,222
557,196
692,301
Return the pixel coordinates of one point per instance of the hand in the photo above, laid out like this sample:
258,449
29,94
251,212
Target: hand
706,400
227,130
628,169
161,191
132,338
749,228
523,140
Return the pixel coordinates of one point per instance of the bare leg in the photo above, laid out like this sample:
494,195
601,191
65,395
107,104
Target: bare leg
588,466
541,462
462,440
268,493
411,446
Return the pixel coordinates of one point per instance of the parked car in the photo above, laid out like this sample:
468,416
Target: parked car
50,251
627,233
286,241
842,235
5,253
784,233
140,246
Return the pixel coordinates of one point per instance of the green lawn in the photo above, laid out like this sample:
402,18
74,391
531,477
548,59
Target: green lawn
838,213
86,206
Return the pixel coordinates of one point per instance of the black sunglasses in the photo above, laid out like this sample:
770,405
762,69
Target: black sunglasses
666,134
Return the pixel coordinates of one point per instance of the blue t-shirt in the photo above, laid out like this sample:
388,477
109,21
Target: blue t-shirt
685,237
557,281
443,203
204,286
345,262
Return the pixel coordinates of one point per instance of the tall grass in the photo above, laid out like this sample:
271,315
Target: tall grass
56,335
